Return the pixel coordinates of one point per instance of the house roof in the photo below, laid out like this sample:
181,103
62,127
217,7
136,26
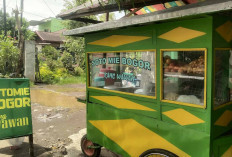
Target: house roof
206,7
35,22
51,37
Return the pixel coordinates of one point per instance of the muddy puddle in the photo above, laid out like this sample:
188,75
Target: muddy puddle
53,99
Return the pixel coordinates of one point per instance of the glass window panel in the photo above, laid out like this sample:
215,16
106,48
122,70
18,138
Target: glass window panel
131,72
223,77
183,76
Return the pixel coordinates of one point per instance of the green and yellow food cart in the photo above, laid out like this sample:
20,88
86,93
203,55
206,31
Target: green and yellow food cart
161,84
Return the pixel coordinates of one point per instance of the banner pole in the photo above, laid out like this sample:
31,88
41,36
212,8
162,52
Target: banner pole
31,148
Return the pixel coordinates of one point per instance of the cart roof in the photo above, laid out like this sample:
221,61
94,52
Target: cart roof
206,7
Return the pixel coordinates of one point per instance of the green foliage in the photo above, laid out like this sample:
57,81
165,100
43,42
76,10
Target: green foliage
61,73
10,24
28,34
72,80
58,66
78,71
9,55
75,45
69,4
50,77
47,76
11,27
67,60
50,57
52,64
50,52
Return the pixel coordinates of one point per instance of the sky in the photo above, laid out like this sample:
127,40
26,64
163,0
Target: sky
38,9
35,9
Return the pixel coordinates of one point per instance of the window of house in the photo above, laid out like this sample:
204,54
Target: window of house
184,76
130,72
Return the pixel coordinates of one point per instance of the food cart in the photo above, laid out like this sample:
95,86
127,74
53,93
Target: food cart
161,85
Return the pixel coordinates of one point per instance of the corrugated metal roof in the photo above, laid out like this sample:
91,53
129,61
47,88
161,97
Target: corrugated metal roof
206,7
94,7
157,7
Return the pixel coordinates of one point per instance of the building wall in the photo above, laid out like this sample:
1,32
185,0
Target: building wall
45,26
56,25
30,60
52,25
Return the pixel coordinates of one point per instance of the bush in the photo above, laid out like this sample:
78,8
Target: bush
53,64
61,73
50,77
55,67
78,71
9,56
67,60
46,75
50,52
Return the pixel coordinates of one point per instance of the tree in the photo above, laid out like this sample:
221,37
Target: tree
10,24
9,55
11,27
75,45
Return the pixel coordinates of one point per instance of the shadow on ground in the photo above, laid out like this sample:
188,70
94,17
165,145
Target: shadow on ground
24,151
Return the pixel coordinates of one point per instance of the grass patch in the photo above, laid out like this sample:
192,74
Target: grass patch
73,80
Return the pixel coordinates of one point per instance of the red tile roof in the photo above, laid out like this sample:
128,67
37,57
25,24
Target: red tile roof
51,37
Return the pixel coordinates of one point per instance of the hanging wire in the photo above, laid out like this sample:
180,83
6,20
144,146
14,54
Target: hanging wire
49,7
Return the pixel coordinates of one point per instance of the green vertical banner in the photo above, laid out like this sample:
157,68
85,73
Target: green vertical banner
15,108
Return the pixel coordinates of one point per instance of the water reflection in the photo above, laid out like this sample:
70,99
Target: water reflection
52,98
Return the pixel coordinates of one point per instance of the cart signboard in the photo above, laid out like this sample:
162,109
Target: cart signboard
15,108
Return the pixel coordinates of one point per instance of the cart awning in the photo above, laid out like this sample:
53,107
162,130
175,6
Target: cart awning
95,7
206,7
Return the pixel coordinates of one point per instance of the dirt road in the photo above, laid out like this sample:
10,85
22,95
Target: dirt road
58,123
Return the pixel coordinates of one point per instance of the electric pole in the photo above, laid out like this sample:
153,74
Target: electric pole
20,68
4,8
21,12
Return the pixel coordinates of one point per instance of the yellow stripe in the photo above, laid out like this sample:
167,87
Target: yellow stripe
228,153
181,34
225,31
151,8
121,103
118,40
133,137
178,114
223,105
143,11
167,5
224,119
179,3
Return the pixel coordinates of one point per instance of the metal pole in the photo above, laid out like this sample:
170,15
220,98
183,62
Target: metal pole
107,16
4,9
21,13
31,149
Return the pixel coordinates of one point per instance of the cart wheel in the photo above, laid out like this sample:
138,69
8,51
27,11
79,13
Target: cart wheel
89,152
157,153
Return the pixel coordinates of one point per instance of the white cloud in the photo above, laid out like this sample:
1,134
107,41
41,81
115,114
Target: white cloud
36,9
